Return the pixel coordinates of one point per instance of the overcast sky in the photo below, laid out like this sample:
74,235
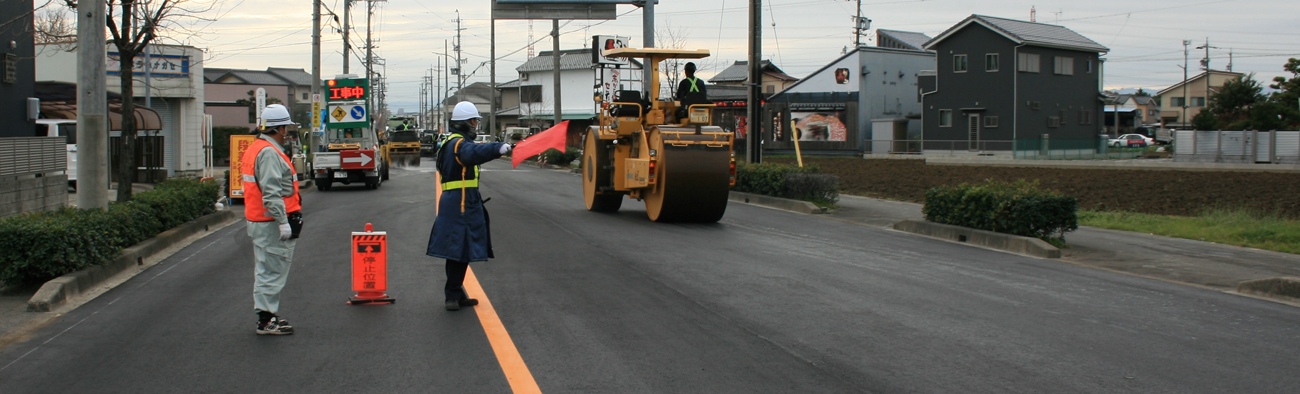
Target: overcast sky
1145,37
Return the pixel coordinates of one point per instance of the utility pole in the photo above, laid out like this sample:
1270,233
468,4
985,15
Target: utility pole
754,138
460,73
92,107
1205,63
492,77
555,41
315,75
1185,58
857,27
347,29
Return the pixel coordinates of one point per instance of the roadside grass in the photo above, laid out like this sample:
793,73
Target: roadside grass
1239,227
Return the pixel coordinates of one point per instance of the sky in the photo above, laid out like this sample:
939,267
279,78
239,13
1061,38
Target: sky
1145,37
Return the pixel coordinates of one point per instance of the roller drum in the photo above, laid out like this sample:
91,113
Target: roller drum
692,186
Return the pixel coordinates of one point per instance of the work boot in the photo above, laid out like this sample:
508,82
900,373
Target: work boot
453,305
468,302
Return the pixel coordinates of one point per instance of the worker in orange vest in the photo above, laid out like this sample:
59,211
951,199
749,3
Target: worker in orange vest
273,208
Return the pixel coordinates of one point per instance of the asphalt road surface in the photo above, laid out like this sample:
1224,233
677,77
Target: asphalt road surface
765,301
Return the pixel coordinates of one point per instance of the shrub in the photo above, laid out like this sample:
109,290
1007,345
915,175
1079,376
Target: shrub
38,247
787,181
1020,208
555,157
221,140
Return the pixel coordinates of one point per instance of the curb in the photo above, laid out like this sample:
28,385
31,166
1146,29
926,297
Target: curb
1284,288
798,206
1005,242
58,291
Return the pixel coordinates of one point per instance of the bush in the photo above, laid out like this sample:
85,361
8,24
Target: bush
555,157
37,247
1020,208
787,181
221,140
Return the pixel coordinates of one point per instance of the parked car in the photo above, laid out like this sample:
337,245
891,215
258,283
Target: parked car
1132,141
66,128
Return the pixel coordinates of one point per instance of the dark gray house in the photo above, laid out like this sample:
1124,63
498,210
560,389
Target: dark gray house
1000,80
17,68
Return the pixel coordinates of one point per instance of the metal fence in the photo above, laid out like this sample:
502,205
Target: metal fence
32,155
1281,147
1071,149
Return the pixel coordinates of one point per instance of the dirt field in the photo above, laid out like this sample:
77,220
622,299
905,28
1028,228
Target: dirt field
1182,193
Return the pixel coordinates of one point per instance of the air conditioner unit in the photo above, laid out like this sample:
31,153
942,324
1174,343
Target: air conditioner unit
523,76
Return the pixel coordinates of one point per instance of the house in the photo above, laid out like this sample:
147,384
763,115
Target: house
1184,100
508,104
901,39
1131,110
169,80
229,94
836,107
578,75
479,93
32,177
999,80
774,80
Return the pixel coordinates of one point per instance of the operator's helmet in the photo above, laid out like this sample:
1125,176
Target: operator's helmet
465,111
276,115
690,67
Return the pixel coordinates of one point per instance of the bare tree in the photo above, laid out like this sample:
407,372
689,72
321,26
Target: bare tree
674,38
133,26
54,25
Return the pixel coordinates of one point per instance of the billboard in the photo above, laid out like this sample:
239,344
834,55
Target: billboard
602,44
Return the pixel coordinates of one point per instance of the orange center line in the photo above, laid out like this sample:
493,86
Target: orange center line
512,364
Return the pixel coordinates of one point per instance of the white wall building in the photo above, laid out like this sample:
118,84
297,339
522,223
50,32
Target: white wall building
174,75
577,79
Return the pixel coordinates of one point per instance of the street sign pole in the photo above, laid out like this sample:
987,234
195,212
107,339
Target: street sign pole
261,106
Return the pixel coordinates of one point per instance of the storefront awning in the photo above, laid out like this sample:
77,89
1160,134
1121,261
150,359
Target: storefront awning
145,118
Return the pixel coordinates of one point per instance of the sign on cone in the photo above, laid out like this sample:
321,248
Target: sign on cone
551,138
370,267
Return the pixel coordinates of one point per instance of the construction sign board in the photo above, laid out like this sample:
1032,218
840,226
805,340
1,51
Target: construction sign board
238,145
347,114
357,159
370,261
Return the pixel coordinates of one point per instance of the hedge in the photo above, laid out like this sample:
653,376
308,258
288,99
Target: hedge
1020,208
787,181
562,159
37,247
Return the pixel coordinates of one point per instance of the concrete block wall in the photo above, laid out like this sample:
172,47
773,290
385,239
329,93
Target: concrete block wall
19,195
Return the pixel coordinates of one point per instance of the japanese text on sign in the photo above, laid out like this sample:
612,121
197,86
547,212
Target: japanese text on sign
344,93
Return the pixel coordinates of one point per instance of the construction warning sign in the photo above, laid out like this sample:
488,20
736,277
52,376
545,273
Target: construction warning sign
370,261
238,144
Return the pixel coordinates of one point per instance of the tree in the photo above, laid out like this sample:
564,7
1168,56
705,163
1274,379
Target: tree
133,26
1234,100
672,69
1287,98
55,26
1205,120
1142,93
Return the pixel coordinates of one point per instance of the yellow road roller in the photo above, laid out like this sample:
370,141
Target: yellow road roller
682,168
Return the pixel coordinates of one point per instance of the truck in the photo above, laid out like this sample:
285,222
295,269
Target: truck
352,152
682,168
66,128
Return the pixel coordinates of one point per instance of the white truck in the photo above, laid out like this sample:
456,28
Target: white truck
352,155
66,128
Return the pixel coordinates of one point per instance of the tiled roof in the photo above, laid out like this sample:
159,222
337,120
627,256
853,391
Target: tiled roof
1028,33
212,74
296,76
570,59
739,72
912,39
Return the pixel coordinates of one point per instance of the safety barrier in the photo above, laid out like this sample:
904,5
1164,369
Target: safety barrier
1241,146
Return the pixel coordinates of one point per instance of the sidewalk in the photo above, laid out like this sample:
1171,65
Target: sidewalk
1197,263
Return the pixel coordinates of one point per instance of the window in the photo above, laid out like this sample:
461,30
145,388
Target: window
1064,65
769,89
1053,121
1085,117
530,94
1029,62
945,118
1177,102
959,63
1090,66
304,96
990,121
991,62
1198,101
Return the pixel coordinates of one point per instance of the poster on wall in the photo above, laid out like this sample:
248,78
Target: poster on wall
841,76
819,121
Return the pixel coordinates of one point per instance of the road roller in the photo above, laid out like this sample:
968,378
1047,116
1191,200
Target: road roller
683,168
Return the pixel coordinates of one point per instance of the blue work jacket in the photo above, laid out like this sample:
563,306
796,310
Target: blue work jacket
462,235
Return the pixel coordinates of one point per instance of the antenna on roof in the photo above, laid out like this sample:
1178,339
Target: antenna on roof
1033,14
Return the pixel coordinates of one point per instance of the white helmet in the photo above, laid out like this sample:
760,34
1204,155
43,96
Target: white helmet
276,115
465,111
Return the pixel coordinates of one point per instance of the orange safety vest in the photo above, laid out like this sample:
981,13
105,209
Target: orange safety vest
254,211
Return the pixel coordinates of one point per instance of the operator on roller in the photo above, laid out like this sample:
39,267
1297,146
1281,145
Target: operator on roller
460,232
272,204
690,90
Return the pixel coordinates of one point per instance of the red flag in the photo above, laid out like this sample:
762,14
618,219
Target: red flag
551,138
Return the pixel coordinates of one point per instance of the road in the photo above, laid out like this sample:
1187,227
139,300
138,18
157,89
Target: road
763,301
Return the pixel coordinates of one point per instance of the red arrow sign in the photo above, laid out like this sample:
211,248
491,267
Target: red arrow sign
363,159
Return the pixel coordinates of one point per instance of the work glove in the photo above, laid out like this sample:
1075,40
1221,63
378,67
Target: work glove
505,148
285,231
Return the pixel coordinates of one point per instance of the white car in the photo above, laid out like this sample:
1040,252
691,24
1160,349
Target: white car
66,128
1132,140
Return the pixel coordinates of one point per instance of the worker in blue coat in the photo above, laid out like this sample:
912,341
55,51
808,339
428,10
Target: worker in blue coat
460,232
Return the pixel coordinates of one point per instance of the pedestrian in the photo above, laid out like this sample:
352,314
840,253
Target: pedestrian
460,232
690,90
272,203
